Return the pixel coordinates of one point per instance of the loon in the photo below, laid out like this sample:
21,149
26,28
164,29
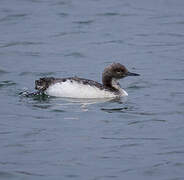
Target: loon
75,87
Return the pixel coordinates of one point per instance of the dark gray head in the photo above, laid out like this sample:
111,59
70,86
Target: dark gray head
115,71
43,83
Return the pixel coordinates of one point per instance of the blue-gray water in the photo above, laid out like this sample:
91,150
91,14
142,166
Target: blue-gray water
54,138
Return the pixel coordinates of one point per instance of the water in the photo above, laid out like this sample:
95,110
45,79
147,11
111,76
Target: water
54,138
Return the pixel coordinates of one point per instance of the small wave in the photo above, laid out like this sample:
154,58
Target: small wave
2,71
29,173
6,83
27,73
13,17
62,14
36,94
75,54
84,22
4,174
109,14
20,43
111,110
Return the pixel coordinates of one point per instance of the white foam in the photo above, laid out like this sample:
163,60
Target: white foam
77,90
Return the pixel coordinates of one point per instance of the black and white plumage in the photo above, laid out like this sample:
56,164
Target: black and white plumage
75,87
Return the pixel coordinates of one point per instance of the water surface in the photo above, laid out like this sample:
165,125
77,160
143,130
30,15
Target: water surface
54,138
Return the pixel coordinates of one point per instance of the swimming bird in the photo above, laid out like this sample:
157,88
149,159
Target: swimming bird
75,87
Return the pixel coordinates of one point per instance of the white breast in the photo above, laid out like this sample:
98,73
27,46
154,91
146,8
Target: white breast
77,90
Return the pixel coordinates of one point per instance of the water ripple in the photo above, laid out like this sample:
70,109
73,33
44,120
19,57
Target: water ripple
58,110
13,17
116,14
6,83
109,14
147,121
63,14
170,34
132,138
75,54
3,71
26,73
173,79
68,33
29,173
4,174
109,42
87,22
171,152
20,43
111,110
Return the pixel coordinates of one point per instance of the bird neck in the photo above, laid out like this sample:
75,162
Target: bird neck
110,83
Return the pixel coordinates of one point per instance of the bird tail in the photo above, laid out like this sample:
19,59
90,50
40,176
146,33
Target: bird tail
43,83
